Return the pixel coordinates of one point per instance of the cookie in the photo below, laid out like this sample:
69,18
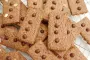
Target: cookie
84,25
57,32
11,41
71,54
78,7
42,33
23,11
2,52
40,52
35,4
14,56
30,26
11,11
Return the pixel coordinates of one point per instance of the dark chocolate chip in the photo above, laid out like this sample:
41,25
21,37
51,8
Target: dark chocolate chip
11,9
68,32
87,29
37,51
53,2
73,25
79,8
27,29
29,22
56,25
35,3
11,16
11,4
55,32
57,17
83,24
23,43
52,8
42,31
6,37
43,57
72,55
34,15
56,40
24,36
15,39
78,1
22,18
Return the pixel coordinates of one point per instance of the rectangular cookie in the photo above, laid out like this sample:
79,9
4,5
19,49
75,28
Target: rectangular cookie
35,4
11,11
42,33
30,25
77,7
84,25
11,41
57,32
14,56
40,52
74,54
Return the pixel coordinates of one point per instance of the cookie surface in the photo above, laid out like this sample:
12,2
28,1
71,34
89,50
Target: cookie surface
79,7
84,25
71,54
40,52
10,8
30,26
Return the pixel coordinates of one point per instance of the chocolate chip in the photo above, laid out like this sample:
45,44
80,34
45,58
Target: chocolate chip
79,8
29,22
34,14
10,16
11,9
56,25
15,39
6,37
73,25
2,26
22,18
77,1
44,2
57,17
55,32
72,55
87,29
56,40
42,31
43,57
27,29
68,32
23,43
52,8
53,2
8,58
35,3
83,24
11,4
37,51
24,36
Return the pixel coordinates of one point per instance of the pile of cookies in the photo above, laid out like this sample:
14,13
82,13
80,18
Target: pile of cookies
42,29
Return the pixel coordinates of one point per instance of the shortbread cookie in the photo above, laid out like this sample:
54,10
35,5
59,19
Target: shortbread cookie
14,56
74,54
43,33
77,7
2,52
40,52
84,25
57,32
11,41
11,11
35,3
30,25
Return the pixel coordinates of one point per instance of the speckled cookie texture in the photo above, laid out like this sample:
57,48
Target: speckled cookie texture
30,26
77,7
84,25
40,52
10,8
